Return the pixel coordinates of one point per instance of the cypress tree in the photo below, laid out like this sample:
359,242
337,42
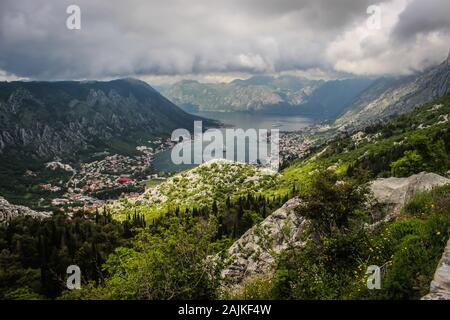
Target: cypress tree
214,208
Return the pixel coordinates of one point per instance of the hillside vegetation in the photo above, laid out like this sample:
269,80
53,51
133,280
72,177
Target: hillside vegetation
215,181
414,142
173,231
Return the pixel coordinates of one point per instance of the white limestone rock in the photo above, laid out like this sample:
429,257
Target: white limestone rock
10,211
255,252
395,192
440,286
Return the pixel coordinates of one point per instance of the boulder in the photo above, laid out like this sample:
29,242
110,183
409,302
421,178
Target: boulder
440,286
10,211
254,253
395,192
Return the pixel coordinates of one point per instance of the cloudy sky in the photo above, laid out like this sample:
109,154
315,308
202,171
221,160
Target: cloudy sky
218,40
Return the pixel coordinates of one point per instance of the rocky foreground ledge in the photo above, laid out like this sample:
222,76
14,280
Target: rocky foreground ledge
440,286
255,252
394,193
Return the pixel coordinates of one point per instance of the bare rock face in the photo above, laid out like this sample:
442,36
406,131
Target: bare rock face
254,253
9,211
395,192
440,286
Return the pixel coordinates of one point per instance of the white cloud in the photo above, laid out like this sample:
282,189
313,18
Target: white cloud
4,76
364,51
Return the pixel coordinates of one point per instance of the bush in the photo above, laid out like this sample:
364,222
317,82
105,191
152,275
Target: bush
255,288
414,246
425,155
420,205
323,268
334,265
169,263
331,204
411,271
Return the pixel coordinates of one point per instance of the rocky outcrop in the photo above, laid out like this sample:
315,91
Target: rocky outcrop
10,211
440,286
255,251
393,193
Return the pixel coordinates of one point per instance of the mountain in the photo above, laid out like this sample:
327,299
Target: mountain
48,119
332,97
267,94
388,97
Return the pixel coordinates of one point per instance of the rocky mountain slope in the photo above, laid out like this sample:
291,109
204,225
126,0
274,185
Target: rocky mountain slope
10,211
48,119
387,97
255,252
267,94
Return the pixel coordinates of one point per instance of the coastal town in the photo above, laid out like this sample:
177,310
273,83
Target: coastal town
297,144
294,145
90,184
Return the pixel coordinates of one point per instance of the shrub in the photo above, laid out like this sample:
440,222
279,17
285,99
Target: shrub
169,263
331,204
255,288
334,266
425,155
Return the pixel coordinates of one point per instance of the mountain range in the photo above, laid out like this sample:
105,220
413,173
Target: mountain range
267,94
348,103
58,119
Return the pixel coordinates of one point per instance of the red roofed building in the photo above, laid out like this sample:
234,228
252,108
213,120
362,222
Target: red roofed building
124,180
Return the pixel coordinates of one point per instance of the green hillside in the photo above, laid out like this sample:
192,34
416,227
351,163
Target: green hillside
171,233
374,150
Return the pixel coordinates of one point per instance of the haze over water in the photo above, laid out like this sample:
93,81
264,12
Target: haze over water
163,161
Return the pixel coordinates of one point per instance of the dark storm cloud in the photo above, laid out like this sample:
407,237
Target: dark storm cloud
176,37
423,17
320,14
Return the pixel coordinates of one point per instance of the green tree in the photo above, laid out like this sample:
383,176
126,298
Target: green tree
331,204
170,263
411,162
426,155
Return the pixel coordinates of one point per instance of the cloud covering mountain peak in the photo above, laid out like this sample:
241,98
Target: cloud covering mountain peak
176,37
